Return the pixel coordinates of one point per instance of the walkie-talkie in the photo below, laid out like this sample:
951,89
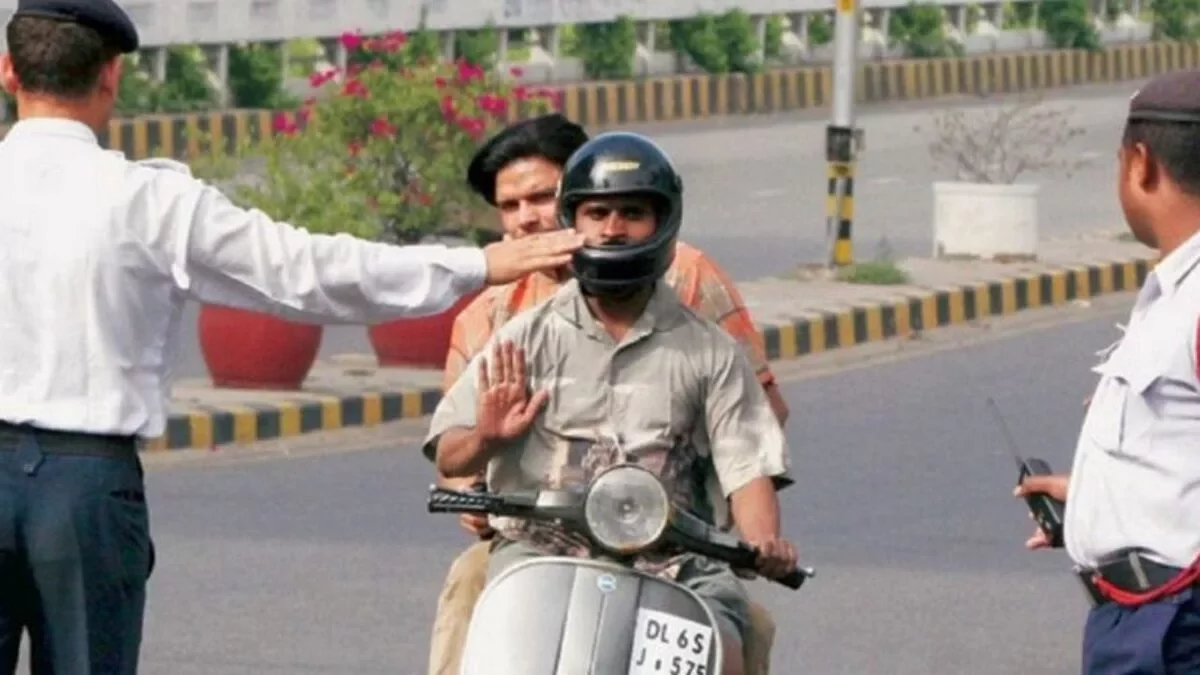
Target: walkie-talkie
1047,511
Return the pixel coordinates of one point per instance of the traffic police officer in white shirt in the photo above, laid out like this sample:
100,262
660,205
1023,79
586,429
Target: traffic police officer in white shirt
98,256
1132,519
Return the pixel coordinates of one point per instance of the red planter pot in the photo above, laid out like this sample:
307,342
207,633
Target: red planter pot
417,343
253,350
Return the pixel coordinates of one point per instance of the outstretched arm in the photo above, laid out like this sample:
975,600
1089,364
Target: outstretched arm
221,253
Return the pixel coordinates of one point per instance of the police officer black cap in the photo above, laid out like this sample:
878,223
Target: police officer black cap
1174,97
104,16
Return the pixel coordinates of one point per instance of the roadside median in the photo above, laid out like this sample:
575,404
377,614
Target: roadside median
800,313
681,98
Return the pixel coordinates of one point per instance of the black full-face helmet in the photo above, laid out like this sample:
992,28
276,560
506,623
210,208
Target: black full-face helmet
622,164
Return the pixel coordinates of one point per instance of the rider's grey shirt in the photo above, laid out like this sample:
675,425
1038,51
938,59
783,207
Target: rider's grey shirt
677,394
1136,477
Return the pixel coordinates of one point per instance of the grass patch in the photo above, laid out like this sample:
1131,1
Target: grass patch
876,273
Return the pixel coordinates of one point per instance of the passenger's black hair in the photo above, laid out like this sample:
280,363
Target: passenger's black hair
552,137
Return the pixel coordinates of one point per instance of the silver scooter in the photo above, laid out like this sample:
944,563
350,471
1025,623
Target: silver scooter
598,616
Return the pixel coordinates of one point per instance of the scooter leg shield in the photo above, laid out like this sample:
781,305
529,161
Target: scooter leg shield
464,584
548,615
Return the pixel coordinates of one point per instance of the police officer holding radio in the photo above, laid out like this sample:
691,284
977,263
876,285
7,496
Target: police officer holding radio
1132,499
99,255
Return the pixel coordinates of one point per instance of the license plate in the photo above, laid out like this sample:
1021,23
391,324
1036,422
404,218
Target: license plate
666,644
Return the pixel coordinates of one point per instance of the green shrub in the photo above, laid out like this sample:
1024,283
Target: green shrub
607,49
1068,24
920,29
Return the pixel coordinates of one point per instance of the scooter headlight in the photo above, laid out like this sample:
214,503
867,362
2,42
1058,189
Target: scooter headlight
627,509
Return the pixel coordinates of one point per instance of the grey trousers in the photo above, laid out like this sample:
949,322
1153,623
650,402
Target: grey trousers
75,552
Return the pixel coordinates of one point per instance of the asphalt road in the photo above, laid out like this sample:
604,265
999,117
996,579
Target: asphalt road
328,562
755,190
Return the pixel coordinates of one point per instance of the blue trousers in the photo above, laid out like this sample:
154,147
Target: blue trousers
75,556
1161,638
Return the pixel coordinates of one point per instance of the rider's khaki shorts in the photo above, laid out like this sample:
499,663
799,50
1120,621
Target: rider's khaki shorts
714,582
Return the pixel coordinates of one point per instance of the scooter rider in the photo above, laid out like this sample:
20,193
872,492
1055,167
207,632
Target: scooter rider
517,171
623,371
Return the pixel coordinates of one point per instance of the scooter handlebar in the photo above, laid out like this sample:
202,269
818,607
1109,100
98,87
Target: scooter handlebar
693,533
748,555
442,500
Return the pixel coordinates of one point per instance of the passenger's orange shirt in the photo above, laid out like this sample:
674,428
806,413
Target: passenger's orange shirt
696,278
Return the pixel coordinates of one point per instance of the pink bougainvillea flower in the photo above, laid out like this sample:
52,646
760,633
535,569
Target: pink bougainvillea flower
449,108
284,124
474,126
440,82
493,104
394,42
354,148
521,93
516,72
319,78
352,41
467,72
381,127
355,88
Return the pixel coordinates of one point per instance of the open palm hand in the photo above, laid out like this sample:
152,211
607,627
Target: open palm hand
506,410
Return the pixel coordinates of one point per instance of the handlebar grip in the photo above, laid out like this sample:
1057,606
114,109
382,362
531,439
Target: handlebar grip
793,580
796,578
442,500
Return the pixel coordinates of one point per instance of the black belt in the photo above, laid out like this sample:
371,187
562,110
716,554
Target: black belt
1132,572
53,442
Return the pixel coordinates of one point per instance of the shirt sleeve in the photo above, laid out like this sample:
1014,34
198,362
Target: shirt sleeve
471,330
718,299
455,409
745,439
220,253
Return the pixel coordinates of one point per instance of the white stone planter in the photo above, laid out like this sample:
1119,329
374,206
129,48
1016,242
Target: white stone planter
979,220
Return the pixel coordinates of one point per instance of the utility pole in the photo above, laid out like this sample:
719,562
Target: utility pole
841,137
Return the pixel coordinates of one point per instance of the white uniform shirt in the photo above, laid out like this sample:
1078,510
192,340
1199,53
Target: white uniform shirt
1136,476
99,254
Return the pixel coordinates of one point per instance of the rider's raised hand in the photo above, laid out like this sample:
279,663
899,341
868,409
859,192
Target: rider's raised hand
506,410
512,259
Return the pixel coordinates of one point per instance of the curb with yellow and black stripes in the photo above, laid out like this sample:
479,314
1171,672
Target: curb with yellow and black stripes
209,427
691,97
884,321
212,426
